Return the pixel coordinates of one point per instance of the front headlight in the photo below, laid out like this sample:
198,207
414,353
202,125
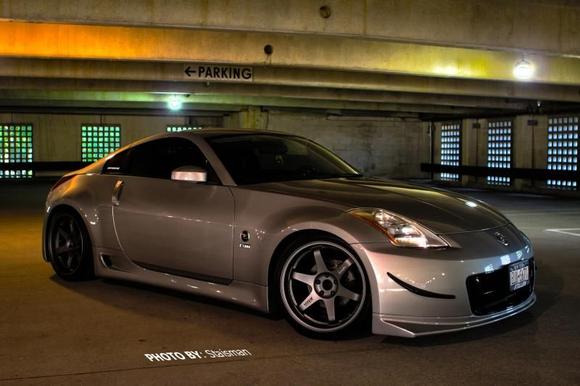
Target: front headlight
400,231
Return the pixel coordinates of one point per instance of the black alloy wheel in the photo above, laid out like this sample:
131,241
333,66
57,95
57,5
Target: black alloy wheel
69,247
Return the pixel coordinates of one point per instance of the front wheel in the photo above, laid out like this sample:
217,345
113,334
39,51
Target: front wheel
69,247
323,288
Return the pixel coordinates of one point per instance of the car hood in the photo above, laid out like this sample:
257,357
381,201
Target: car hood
441,211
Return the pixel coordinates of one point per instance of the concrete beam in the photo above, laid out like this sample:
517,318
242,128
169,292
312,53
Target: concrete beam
70,98
283,76
68,41
299,92
530,25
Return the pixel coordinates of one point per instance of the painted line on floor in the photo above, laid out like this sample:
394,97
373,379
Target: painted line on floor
566,231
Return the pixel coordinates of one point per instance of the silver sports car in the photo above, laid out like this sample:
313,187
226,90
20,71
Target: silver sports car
278,223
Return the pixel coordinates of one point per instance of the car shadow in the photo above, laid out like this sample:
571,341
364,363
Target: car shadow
148,300
117,284
137,297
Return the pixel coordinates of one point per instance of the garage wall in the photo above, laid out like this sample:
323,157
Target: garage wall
57,137
529,148
386,147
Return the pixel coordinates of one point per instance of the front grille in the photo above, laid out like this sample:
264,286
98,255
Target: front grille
490,292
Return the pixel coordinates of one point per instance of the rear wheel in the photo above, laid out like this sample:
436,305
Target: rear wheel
323,288
69,247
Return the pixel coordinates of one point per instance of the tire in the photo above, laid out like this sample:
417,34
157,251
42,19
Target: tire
323,288
69,247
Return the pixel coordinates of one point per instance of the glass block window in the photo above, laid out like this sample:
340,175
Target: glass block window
177,129
99,140
499,150
450,148
563,149
15,147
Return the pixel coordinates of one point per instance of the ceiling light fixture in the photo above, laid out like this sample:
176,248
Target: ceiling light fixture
174,103
523,70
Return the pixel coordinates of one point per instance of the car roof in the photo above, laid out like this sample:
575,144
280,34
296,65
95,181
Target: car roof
203,133
216,132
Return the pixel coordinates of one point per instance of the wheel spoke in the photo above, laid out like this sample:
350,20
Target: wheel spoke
330,309
72,248
320,264
340,271
310,300
69,261
304,278
62,259
62,233
348,294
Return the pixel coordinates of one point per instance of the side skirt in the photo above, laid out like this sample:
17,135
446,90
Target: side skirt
191,275
243,293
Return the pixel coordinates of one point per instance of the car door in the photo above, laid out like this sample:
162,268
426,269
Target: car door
178,227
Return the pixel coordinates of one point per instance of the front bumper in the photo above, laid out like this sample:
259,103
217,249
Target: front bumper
400,312
410,327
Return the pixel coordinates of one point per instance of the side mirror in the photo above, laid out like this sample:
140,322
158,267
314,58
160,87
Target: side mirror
189,173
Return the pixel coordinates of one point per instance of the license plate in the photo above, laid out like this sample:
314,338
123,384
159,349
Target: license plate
519,275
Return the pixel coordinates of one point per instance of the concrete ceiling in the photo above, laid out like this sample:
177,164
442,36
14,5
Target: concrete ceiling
435,59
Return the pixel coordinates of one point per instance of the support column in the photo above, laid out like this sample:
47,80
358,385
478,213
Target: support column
482,144
522,148
469,142
436,133
253,117
530,143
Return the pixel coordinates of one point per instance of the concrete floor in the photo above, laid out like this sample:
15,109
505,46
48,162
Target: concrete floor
97,332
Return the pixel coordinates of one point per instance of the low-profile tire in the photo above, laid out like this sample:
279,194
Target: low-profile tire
68,246
324,288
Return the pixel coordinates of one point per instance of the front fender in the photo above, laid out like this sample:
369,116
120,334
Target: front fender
270,218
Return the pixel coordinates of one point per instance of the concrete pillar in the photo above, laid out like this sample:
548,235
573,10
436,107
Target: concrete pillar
482,142
252,117
469,145
479,128
522,148
231,121
436,133
530,144
540,146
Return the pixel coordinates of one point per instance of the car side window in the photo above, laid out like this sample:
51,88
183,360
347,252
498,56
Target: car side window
157,159
118,164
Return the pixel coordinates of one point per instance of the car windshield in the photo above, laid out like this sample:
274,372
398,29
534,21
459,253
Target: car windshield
257,158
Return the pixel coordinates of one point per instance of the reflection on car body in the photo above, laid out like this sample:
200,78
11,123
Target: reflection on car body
277,222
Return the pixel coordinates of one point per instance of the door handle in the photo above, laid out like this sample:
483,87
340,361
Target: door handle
117,190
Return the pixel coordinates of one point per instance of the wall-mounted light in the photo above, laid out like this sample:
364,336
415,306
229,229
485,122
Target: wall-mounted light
523,70
174,103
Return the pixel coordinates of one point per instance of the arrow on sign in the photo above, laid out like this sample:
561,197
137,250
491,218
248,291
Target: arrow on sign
189,71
